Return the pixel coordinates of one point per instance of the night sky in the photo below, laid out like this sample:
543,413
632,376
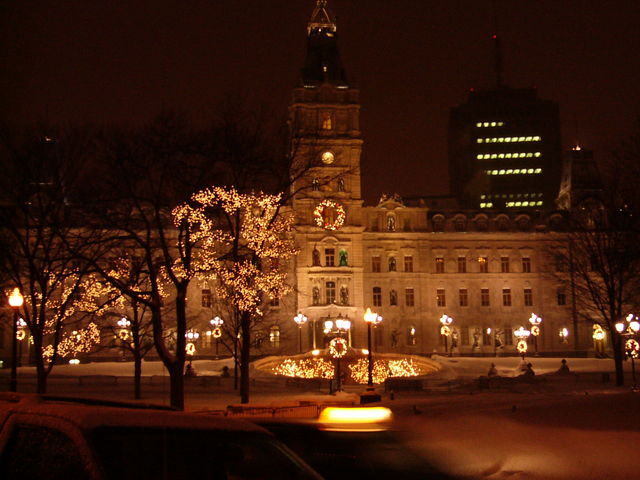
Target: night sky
122,62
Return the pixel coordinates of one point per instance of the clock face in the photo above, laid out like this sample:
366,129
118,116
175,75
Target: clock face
327,158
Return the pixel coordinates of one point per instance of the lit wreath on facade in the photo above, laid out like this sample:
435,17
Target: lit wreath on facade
318,214
338,347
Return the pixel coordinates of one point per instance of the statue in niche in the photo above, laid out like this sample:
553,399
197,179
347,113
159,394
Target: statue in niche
344,295
392,264
343,258
391,223
315,257
316,296
341,184
393,300
395,335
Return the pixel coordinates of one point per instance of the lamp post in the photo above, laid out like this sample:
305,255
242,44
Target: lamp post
15,301
192,337
522,334
21,334
372,319
123,333
300,319
631,346
216,323
338,346
535,322
563,333
445,331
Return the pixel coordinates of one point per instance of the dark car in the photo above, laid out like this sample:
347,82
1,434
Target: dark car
338,448
56,438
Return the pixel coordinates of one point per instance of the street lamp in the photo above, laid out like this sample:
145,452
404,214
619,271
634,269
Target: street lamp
192,337
631,345
372,319
15,301
445,331
535,322
216,323
338,346
522,334
123,333
300,319
563,333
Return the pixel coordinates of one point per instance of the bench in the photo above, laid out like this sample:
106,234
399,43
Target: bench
98,380
403,385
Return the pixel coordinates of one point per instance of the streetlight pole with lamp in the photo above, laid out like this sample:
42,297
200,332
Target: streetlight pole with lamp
535,322
192,337
522,334
15,301
372,319
445,331
338,346
631,346
300,319
216,323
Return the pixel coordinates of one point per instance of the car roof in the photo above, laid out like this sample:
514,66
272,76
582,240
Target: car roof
91,414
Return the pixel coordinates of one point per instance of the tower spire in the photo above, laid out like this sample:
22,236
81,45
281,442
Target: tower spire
321,19
497,50
322,65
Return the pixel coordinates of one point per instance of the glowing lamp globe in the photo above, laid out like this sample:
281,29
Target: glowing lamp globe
16,299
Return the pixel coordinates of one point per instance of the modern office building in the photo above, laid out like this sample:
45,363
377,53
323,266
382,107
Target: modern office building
505,151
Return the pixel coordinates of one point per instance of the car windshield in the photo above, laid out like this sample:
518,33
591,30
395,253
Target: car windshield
161,453
348,454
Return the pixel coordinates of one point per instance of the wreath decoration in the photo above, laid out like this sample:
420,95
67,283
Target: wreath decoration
217,332
632,347
522,346
190,349
338,347
318,215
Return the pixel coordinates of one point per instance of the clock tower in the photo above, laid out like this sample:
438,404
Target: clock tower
327,200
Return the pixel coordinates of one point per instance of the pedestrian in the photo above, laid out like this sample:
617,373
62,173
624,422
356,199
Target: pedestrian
493,371
564,368
529,370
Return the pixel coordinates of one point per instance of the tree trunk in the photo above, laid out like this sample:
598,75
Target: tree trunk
137,373
245,356
41,370
618,357
176,383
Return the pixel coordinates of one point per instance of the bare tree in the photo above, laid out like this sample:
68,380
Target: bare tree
40,219
600,251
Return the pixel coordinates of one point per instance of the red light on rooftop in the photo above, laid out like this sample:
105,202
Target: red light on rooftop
494,36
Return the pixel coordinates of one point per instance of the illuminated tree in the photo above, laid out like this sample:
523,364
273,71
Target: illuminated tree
39,225
243,240
128,325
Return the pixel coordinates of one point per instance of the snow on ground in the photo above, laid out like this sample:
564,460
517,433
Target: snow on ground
578,428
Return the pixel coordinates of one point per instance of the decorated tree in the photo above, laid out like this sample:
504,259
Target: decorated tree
39,225
244,240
